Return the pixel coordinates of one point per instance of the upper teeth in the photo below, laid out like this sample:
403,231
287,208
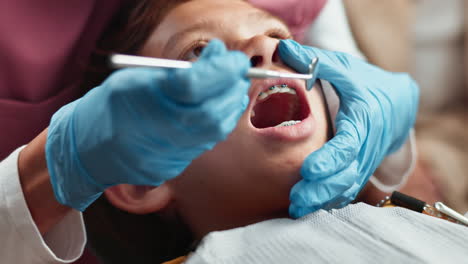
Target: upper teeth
283,88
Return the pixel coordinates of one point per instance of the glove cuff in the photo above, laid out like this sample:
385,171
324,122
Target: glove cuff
70,181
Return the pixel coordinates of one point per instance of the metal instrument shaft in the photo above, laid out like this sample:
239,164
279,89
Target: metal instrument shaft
123,61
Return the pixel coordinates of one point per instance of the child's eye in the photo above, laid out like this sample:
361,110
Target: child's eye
198,50
194,52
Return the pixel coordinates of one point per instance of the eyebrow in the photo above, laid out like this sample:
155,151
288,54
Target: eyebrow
174,39
210,24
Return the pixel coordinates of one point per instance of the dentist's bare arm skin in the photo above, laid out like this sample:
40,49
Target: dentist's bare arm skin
37,189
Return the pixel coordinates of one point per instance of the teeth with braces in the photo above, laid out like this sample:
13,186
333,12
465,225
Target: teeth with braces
288,123
283,88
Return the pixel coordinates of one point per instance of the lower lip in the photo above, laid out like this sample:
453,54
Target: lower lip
297,132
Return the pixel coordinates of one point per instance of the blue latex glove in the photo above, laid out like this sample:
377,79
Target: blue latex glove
145,126
377,111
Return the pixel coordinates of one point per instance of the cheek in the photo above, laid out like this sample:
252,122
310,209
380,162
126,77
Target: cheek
320,112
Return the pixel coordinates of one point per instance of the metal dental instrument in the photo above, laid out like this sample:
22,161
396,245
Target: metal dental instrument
313,70
450,212
123,61
439,209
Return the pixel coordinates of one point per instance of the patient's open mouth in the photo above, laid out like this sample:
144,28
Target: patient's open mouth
279,105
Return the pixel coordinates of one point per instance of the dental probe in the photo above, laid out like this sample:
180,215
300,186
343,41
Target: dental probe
123,61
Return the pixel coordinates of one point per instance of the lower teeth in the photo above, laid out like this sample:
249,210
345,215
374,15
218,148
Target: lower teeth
288,123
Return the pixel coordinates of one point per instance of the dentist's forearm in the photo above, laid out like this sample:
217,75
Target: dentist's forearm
37,189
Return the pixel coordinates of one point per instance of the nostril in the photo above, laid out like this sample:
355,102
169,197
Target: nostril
276,56
256,60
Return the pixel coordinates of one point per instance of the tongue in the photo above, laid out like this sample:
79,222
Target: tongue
276,109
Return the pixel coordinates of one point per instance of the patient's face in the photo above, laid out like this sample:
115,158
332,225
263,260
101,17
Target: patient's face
246,178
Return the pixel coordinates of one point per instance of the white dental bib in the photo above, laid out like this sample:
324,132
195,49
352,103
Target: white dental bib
357,233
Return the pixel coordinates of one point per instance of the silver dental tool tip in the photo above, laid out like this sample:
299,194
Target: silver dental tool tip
313,70
450,212
123,61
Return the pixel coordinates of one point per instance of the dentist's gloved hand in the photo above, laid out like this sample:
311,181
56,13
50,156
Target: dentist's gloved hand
145,126
377,111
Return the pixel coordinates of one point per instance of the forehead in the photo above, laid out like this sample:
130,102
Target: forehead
225,12
194,10
212,15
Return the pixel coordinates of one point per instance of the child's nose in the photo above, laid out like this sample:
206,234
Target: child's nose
261,49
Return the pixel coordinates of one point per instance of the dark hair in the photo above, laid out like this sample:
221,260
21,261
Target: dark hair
114,235
127,33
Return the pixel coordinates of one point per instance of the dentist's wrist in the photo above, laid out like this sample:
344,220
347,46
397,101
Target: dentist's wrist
37,189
